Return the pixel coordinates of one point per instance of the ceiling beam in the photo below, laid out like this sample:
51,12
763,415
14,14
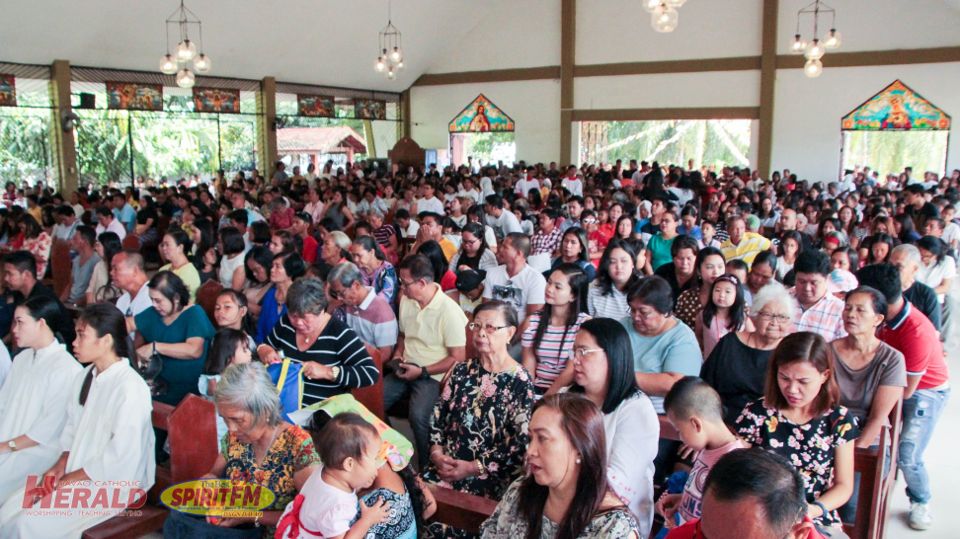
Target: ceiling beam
741,63
681,113
936,55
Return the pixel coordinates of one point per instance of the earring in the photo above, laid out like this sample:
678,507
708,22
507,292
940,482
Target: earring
578,460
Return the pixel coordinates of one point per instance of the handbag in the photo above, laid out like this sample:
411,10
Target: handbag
150,372
289,379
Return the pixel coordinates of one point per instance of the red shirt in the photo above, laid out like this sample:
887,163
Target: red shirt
914,336
309,249
691,530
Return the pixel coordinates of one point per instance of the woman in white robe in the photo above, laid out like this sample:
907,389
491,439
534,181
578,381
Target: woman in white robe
107,443
33,399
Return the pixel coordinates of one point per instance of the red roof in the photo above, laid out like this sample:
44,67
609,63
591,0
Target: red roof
319,140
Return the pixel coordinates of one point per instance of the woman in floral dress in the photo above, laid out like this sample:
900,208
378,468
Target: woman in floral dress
479,429
800,418
260,448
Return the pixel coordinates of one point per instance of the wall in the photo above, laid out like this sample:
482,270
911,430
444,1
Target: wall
619,31
806,128
806,135
533,105
711,89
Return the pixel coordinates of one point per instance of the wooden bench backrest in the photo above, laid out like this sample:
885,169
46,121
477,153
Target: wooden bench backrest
192,433
461,510
207,296
372,396
131,242
60,265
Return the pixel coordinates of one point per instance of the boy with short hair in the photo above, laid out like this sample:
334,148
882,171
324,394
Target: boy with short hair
694,409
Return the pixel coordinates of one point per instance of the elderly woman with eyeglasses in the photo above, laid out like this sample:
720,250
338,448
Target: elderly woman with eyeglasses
478,433
736,366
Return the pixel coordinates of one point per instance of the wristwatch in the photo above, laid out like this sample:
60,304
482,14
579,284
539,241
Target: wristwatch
335,371
424,373
12,444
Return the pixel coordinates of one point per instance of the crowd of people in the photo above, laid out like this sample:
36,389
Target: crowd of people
532,323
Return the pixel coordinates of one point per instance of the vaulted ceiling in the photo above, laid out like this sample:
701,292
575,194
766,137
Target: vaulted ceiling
326,42
331,42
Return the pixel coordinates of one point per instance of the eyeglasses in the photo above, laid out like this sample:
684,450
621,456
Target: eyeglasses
770,317
487,328
579,353
403,284
335,294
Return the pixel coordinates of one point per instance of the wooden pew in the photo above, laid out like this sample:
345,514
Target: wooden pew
207,296
60,265
131,242
192,432
461,510
372,396
876,488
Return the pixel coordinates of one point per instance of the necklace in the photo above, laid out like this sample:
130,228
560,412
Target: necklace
259,460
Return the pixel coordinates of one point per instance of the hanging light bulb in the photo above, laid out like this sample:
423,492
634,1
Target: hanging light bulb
391,74
651,5
815,50
185,78
813,68
186,50
665,19
380,65
833,39
168,66
400,64
395,54
799,45
201,64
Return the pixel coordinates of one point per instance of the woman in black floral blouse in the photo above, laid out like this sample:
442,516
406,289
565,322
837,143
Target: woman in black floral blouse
479,429
800,418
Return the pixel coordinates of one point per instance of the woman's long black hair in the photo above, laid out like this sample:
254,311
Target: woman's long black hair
612,337
577,279
603,272
583,425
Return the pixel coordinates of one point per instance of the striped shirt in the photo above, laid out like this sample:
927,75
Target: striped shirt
337,346
373,320
554,350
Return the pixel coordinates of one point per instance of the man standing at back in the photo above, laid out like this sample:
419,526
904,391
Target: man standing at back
928,383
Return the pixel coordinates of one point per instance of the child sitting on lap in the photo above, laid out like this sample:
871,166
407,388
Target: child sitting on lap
327,505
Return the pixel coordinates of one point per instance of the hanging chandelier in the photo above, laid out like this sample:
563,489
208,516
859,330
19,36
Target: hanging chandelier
814,49
184,61
664,16
390,57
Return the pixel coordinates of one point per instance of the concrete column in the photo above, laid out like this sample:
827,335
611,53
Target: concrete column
266,127
66,144
768,86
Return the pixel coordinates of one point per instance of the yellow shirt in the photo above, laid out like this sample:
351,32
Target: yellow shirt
449,249
429,332
189,275
749,247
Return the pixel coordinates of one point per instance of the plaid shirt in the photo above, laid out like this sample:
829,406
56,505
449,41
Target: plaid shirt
545,243
824,317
